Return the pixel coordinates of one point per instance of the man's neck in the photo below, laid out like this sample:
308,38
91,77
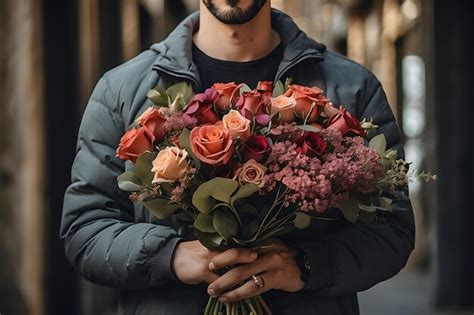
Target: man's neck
245,42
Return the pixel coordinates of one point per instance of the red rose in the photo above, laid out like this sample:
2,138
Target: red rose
305,97
311,144
227,92
266,86
201,107
153,121
133,143
347,124
257,148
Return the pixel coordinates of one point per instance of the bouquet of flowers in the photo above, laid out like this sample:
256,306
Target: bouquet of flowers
245,166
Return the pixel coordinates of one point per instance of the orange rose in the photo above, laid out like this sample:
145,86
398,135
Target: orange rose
212,144
153,121
133,143
305,97
226,93
170,165
237,125
266,86
252,172
285,106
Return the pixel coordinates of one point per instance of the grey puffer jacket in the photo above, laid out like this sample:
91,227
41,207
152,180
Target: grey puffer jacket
116,243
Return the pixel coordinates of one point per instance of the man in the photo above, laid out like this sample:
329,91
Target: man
156,264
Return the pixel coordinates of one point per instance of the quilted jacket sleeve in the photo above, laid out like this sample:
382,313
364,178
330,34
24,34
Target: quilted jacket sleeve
101,238
358,256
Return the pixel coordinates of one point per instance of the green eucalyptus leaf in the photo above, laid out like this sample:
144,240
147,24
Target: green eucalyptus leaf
203,223
244,192
182,87
158,96
250,229
367,208
350,210
130,167
144,166
225,223
208,194
245,88
128,181
308,128
161,208
302,220
185,143
379,144
279,89
367,217
211,241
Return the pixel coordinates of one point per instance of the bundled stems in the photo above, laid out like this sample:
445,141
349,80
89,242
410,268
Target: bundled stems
252,306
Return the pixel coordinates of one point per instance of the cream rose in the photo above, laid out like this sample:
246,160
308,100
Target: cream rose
238,125
285,106
251,172
170,165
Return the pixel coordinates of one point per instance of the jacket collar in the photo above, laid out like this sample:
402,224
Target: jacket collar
175,57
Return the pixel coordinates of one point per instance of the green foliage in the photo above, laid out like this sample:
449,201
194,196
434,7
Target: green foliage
210,193
302,220
144,166
204,223
225,223
185,143
350,210
308,128
128,181
158,96
161,208
182,88
244,192
379,144
209,240
278,89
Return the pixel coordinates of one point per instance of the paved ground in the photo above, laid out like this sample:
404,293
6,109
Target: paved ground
408,293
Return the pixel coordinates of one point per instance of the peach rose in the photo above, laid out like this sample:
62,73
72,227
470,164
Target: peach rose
170,165
154,122
251,172
285,106
305,97
133,143
238,125
226,93
330,110
212,144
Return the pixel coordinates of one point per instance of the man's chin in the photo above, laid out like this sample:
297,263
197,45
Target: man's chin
235,15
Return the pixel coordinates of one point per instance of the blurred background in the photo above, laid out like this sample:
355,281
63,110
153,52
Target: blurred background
52,52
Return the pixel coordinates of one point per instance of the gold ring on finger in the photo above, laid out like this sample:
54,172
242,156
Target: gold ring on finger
258,280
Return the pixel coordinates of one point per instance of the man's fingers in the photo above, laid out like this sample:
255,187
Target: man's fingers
237,275
210,277
231,257
248,289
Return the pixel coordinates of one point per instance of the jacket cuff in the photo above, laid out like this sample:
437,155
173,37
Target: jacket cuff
321,274
160,264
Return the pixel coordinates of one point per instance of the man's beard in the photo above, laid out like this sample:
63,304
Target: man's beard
235,15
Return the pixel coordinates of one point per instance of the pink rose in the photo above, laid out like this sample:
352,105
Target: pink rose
154,122
226,91
212,144
201,107
237,125
285,107
347,124
170,165
255,105
305,97
252,172
257,148
133,143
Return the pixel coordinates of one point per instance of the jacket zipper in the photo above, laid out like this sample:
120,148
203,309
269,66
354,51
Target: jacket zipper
297,61
176,74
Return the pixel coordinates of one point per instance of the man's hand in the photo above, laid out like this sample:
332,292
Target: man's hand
275,268
192,261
